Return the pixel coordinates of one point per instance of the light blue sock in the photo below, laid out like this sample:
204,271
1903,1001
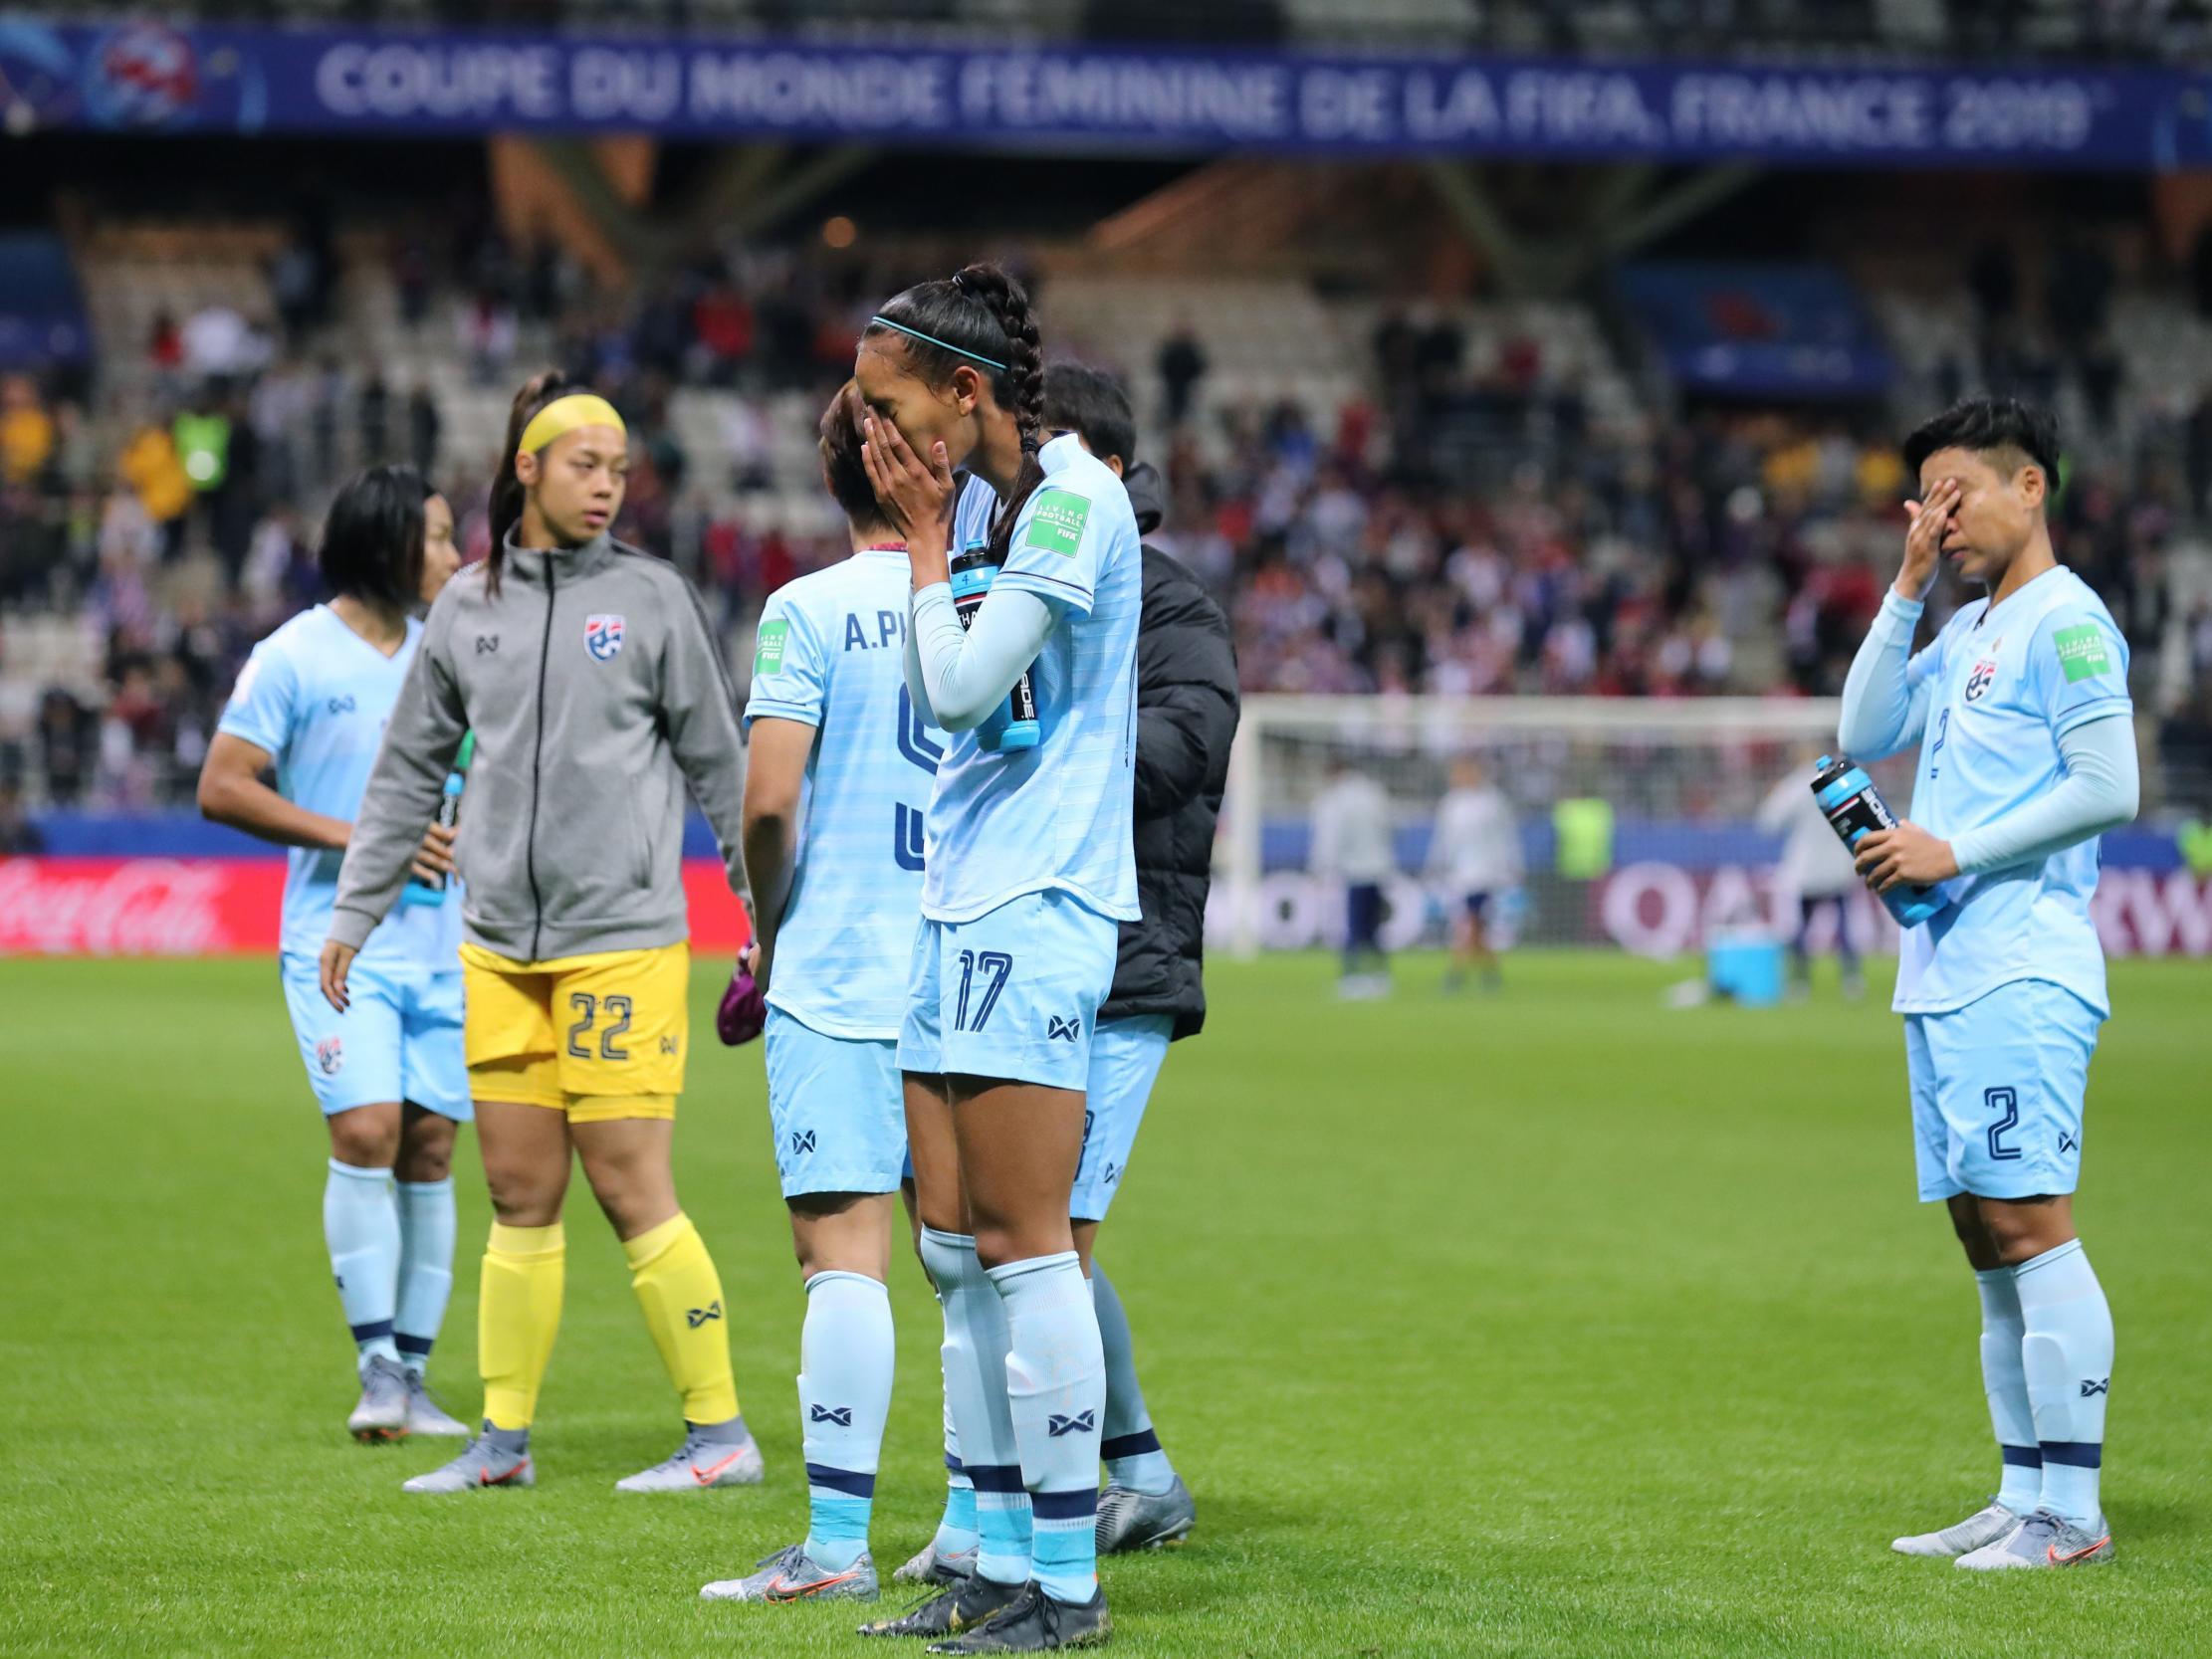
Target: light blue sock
975,1355
956,1530
2005,1382
844,1394
426,1224
1126,1438
360,1225
1056,1393
2067,1355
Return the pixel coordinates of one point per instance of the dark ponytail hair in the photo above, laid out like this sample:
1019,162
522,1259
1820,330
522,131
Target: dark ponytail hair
982,313
372,538
506,489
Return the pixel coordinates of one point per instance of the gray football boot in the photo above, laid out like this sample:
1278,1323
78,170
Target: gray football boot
1129,1520
2043,1539
480,1465
790,1575
930,1567
1983,1527
425,1415
381,1413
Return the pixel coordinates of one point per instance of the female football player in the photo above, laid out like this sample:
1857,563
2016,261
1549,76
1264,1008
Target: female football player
312,702
596,693
1030,869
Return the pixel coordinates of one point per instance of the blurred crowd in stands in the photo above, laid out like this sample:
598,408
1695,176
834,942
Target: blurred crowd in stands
1466,525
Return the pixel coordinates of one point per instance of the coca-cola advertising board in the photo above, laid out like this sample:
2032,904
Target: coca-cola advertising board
203,907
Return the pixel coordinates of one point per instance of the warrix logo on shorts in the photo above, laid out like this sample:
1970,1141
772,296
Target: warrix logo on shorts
2081,652
1058,525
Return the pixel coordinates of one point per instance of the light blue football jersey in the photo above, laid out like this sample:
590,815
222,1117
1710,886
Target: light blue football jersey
315,696
2001,688
1056,816
831,653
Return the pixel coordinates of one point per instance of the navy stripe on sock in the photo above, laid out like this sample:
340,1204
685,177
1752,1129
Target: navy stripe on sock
420,1346
851,1482
953,1465
2021,1457
1129,1445
374,1328
996,1477
1066,1506
2074,1454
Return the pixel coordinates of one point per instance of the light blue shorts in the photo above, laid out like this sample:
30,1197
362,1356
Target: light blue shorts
1012,994
1997,1089
837,1110
399,1040
1125,1059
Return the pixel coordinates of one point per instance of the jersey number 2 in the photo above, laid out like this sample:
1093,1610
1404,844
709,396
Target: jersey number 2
588,1009
2007,1101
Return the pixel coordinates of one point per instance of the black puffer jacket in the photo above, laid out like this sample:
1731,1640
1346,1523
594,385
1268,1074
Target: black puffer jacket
1185,715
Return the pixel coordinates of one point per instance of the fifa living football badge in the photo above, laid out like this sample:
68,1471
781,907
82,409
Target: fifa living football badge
602,637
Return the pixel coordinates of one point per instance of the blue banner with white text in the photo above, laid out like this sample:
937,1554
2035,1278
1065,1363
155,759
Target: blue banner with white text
151,77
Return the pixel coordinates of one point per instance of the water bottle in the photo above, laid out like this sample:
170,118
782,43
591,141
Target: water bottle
1014,727
1855,809
420,892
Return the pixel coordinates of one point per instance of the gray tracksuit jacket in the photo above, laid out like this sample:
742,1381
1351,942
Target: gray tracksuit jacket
595,691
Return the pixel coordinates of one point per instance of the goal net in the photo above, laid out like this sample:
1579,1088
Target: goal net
1640,820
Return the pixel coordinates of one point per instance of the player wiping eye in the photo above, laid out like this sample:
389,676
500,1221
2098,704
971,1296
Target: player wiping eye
2027,755
1029,871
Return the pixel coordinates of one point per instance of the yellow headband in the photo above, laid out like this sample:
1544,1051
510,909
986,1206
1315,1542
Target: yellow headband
563,415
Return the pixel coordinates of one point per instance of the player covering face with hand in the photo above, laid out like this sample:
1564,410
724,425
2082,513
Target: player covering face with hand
837,781
2027,755
387,1071
1030,869
596,693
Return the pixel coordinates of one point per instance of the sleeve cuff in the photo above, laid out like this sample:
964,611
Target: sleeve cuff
1897,606
1071,597
351,928
1968,853
768,707
2104,707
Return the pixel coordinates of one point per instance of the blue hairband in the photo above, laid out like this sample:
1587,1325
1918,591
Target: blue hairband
942,345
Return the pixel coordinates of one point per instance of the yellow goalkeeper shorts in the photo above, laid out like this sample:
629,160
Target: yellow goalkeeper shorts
597,1036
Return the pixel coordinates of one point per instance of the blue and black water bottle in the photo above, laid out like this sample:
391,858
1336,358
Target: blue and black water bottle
420,892
1854,809
1014,727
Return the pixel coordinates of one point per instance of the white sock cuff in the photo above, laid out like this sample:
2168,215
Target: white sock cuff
354,1173
426,1190
838,1276
2050,1258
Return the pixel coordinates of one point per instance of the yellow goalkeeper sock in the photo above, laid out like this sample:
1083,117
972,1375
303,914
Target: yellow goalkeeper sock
681,1294
518,1314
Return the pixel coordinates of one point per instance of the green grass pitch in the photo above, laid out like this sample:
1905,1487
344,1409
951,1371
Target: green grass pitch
1551,1324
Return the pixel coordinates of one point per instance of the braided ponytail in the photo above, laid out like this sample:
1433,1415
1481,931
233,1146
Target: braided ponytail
979,319
506,489
1020,388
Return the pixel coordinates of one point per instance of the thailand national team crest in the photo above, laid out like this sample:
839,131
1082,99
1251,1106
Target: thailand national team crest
330,1055
602,637
1979,681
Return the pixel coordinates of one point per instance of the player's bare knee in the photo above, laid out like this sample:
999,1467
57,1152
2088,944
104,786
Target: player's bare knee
425,1149
367,1136
2021,1229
